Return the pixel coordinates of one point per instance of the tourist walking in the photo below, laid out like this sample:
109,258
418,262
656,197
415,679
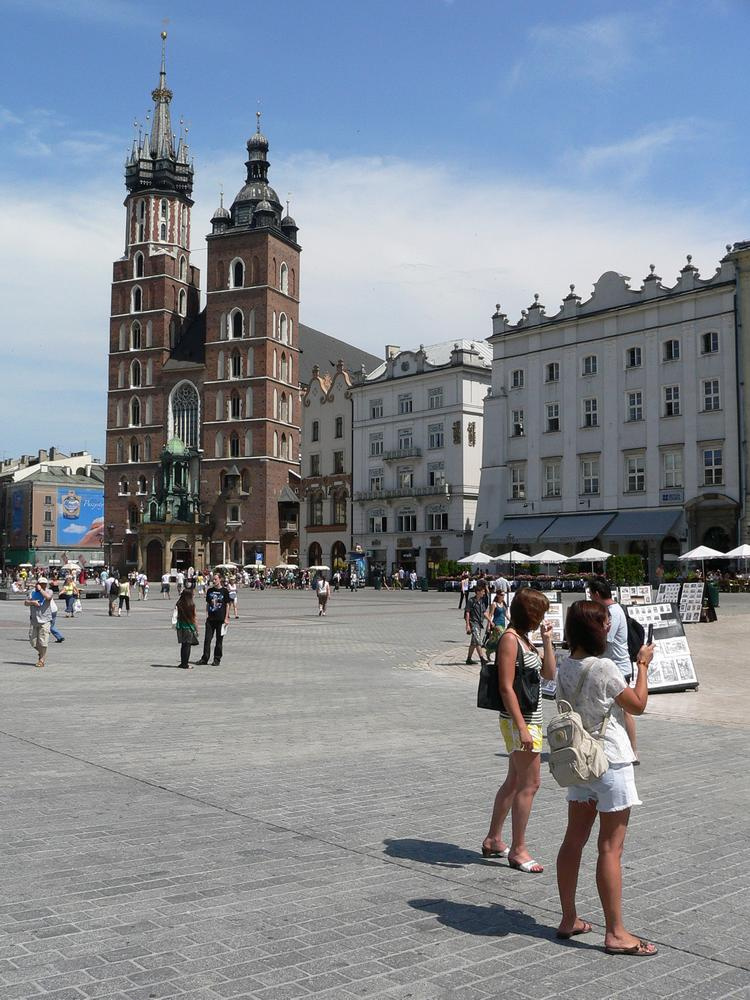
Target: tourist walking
217,619
187,629
353,580
617,645
521,728
39,603
57,636
463,586
165,582
69,592
476,607
594,686
124,597
233,587
323,591
112,585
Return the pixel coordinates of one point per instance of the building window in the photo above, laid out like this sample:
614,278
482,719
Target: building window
135,374
709,343
234,514
236,365
184,411
122,488
552,487
314,465
671,400
338,463
376,480
283,329
339,509
378,523
437,520
590,365
315,434
591,413
435,399
237,324
234,407
376,443
135,336
517,378
633,357
406,521
376,409
405,478
405,404
48,534
671,350
713,467
516,423
711,396
436,473
339,427
316,510
405,438
635,474
183,268
182,302
671,465
238,274
135,451
589,476
284,275
552,372
138,268
136,302
552,413
635,405
48,515
141,488
435,436
518,482
135,412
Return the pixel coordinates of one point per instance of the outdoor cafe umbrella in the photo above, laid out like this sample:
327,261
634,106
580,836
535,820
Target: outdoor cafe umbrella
590,555
319,569
741,552
513,557
475,559
702,553
549,557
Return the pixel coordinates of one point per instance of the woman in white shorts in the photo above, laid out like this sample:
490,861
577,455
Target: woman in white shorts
611,796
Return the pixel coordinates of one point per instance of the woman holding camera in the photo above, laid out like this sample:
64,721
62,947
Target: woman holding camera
604,692
522,731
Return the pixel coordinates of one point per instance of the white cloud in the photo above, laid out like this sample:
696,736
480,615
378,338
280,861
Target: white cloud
598,48
636,154
393,252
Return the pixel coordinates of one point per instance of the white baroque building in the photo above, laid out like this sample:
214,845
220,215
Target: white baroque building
618,420
417,438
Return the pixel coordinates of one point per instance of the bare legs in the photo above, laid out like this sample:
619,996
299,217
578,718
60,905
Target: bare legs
515,796
612,829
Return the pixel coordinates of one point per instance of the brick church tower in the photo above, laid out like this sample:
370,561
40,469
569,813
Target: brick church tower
203,406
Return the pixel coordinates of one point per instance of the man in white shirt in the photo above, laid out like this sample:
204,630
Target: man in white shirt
165,582
502,586
617,644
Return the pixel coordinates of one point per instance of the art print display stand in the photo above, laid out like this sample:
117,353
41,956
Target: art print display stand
691,601
668,593
635,595
672,667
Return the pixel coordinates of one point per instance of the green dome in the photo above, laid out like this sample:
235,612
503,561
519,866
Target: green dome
175,447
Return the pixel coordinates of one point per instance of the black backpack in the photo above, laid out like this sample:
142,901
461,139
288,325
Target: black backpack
114,590
636,635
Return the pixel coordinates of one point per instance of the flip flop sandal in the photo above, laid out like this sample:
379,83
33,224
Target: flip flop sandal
644,949
489,852
567,935
529,867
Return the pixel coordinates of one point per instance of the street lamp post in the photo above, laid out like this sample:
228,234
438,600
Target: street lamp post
110,538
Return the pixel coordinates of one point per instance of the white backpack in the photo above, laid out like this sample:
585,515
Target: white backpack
576,756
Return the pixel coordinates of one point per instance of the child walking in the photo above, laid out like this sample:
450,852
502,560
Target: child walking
187,630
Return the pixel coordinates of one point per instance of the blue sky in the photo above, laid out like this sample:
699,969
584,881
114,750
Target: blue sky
441,157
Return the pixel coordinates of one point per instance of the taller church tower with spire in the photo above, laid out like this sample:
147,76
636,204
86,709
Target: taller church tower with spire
203,406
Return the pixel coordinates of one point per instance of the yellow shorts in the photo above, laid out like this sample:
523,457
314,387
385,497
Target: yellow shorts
512,736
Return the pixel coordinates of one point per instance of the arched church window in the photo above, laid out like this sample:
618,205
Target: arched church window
136,300
285,279
275,443
283,331
138,265
147,449
135,450
184,414
135,373
122,488
236,364
283,445
141,222
238,274
163,232
142,484
234,445
283,367
234,406
182,302
237,323
135,412
183,268
282,410
133,516
135,336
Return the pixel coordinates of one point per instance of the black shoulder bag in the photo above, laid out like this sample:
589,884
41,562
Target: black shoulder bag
525,686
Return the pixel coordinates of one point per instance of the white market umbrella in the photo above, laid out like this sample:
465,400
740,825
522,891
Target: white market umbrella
590,555
513,557
741,552
286,566
319,569
476,559
702,552
548,556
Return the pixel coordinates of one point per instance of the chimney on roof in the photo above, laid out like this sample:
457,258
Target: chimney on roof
42,457
52,454
391,350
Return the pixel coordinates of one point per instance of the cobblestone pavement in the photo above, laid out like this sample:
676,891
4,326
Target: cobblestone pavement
305,820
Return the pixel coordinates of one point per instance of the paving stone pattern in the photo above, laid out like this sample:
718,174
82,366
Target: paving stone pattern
305,821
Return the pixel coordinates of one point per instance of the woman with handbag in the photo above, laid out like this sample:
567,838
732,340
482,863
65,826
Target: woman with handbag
600,692
519,670
187,631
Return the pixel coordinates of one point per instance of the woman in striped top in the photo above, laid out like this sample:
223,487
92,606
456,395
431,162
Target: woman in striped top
521,731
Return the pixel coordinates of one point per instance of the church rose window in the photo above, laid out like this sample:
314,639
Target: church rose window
184,411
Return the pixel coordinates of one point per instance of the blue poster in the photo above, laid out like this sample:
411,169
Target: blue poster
80,517
16,518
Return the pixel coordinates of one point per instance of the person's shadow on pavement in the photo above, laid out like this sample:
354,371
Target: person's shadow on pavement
434,852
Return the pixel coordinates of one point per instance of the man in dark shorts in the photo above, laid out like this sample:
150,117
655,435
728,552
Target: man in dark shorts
476,606
217,617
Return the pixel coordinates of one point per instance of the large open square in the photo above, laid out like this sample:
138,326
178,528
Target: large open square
305,819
